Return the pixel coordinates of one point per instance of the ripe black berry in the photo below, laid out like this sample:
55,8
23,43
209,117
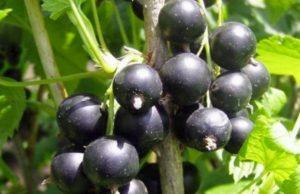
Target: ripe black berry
143,130
81,119
259,77
207,129
137,8
191,178
231,91
149,174
134,187
137,87
241,127
67,173
180,118
186,78
181,21
110,162
232,45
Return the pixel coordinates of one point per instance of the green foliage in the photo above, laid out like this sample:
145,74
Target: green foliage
4,13
277,8
281,55
12,106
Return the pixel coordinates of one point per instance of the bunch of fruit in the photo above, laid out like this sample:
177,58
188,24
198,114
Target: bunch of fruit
112,163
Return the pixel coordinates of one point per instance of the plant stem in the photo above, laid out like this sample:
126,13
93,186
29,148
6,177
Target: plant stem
98,26
169,156
44,47
52,80
111,111
90,40
220,12
120,24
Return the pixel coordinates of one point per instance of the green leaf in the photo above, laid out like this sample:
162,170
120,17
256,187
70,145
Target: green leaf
227,188
4,13
277,8
58,7
292,186
261,147
281,55
12,106
271,103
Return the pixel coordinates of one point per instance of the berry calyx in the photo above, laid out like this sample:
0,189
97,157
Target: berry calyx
186,78
207,129
81,119
232,45
110,162
231,91
137,87
181,21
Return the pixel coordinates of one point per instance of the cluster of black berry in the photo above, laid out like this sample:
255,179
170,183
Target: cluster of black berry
111,163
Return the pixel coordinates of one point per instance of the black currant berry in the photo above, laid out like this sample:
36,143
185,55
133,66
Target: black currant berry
110,162
81,118
241,113
137,87
231,91
207,129
67,174
241,127
149,174
232,45
191,178
143,130
181,21
137,9
259,77
134,187
180,118
186,78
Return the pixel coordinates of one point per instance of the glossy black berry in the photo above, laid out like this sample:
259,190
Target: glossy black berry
180,118
81,118
191,178
149,174
67,174
231,91
241,113
137,9
134,187
143,130
259,77
110,162
186,78
232,45
241,127
137,87
181,21
207,129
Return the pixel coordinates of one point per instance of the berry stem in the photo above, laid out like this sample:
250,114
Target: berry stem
220,12
44,48
168,152
98,26
111,111
52,80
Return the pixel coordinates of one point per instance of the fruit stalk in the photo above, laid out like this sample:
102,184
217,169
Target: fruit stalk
169,157
44,47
